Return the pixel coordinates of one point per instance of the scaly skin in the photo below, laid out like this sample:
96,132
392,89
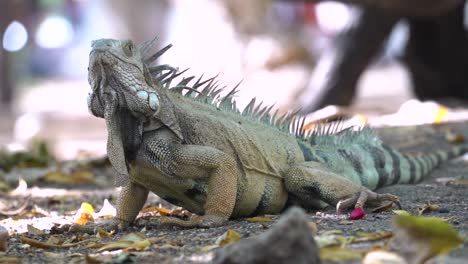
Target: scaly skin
221,164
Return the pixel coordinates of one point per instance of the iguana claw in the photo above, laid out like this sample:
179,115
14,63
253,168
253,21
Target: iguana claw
362,197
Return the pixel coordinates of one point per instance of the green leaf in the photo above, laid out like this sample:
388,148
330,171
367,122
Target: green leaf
428,236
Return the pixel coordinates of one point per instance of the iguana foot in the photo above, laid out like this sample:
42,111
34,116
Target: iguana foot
362,197
206,221
113,224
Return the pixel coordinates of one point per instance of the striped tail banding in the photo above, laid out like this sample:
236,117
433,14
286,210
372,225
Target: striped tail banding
413,169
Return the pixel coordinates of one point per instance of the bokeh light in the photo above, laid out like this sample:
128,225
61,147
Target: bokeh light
54,32
14,37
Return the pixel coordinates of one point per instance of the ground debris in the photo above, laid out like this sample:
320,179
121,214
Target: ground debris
288,241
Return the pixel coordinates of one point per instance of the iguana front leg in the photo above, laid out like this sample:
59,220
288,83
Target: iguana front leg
312,181
197,162
131,199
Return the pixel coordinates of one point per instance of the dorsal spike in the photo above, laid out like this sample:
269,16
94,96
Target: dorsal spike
147,46
160,68
249,107
158,54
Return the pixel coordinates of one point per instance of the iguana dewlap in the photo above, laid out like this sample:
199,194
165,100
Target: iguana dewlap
196,150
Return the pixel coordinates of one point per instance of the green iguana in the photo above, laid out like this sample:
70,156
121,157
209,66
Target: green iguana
197,151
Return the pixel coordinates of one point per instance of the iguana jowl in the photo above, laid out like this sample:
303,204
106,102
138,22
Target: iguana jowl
196,150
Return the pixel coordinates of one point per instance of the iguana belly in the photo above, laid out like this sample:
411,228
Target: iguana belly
256,195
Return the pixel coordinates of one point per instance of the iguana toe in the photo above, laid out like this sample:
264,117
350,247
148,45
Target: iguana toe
359,199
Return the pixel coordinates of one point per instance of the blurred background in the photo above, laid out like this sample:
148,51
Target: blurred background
271,46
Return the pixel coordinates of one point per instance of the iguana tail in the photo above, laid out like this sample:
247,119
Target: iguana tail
409,168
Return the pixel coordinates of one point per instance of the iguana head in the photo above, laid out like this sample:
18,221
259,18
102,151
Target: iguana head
119,78
122,93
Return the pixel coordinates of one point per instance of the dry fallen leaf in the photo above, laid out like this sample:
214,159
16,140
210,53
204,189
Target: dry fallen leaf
76,177
84,218
55,240
458,182
227,238
92,260
339,254
21,189
84,214
259,219
453,137
34,231
401,212
424,237
17,211
330,240
39,244
35,243
128,242
428,207
101,233
382,208
364,237
153,209
10,260
107,210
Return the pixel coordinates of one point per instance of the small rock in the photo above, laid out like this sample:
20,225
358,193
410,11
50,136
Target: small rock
290,240
3,239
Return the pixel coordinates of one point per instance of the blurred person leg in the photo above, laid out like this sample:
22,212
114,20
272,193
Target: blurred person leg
333,81
437,56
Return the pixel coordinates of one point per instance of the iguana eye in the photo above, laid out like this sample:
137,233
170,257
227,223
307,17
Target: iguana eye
128,49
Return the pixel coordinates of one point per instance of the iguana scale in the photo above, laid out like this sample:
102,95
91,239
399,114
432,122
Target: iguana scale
198,151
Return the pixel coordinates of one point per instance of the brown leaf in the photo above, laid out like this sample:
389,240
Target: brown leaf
39,244
34,231
84,214
76,177
382,208
10,260
17,211
454,138
339,254
428,207
401,212
84,218
55,240
227,238
458,182
35,243
364,237
21,189
92,260
101,233
259,219
130,241
153,209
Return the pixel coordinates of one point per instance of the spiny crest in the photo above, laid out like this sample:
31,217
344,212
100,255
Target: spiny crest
208,91
334,134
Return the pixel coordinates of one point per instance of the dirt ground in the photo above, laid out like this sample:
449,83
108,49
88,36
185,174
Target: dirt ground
57,205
